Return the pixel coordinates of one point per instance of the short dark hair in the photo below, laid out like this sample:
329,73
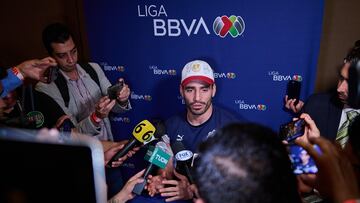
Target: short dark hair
353,56
245,163
55,33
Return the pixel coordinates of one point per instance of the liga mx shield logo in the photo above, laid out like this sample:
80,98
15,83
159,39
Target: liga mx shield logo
234,25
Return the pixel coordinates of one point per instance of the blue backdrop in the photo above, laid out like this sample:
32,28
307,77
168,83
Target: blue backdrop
254,46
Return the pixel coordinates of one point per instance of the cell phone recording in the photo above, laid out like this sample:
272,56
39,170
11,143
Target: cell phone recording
302,163
50,74
114,90
293,90
292,130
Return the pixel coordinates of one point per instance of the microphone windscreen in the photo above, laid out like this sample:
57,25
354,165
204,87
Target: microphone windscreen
160,128
144,132
163,146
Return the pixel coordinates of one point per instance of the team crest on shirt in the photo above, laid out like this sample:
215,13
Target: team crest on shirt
179,138
211,133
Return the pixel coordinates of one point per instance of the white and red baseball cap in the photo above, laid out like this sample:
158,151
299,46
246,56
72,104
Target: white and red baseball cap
197,71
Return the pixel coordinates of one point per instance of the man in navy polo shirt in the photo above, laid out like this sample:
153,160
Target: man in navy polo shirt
201,118
199,122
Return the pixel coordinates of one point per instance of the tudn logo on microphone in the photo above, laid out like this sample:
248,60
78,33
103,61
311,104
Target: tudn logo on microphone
234,25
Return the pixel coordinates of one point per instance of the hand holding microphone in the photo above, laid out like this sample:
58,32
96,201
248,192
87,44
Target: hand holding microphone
183,159
108,154
143,133
157,158
183,187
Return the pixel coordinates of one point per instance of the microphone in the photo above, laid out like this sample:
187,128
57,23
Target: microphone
143,133
183,160
157,158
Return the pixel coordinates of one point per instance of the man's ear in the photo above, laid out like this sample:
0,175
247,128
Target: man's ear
199,200
181,90
214,90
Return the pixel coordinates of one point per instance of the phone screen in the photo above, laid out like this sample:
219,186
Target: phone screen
50,74
301,160
293,90
290,131
113,90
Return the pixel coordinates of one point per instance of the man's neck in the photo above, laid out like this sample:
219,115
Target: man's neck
73,75
197,120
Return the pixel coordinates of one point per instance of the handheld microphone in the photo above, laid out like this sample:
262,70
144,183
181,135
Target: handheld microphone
183,159
157,158
143,133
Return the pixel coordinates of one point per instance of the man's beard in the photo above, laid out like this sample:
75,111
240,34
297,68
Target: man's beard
198,113
342,97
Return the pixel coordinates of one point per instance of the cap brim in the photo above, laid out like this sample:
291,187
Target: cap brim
204,79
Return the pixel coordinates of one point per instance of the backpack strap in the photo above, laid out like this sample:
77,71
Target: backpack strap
91,71
61,84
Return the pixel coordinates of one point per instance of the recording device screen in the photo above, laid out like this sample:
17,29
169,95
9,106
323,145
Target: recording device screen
290,131
51,74
114,89
39,171
301,160
293,90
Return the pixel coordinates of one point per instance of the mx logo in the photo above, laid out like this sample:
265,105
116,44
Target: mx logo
234,25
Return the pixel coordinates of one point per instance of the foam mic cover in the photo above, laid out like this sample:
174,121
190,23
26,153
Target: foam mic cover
159,126
143,133
183,159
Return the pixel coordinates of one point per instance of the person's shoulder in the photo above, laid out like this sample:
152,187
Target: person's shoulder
45,87
322,99
225,114
320,96
94,65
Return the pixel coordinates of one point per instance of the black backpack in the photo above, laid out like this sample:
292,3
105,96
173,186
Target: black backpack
61,84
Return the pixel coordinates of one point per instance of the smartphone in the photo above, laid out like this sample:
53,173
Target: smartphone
50,74
292,130
114,90
293,90
301,161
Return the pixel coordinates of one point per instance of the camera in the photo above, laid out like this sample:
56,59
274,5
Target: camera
50,74
114,90
292,130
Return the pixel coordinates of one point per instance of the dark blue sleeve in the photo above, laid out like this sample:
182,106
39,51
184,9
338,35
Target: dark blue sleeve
10,83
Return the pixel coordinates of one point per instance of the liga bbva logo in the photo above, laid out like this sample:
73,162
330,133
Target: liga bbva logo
158,71
107,67
233,25
120,119
144,97
245,106
276,76
165,26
